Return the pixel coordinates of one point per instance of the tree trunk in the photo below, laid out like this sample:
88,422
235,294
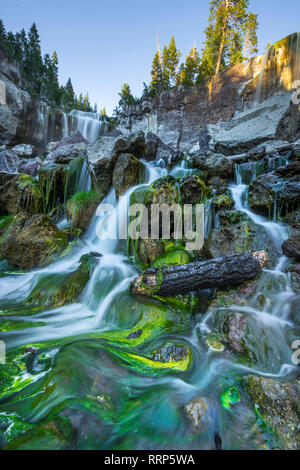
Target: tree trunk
221,272
224,35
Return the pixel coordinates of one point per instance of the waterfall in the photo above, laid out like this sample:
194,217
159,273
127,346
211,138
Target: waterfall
65,129
90,125
261,76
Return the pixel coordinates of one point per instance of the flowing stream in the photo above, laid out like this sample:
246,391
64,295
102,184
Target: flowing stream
150,408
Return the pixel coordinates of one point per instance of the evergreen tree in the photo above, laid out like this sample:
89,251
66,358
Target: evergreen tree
2,34
126,97
33,63
95,110
189,71
224,34
50,86
86,103
170,62
250,41
69,97
156,84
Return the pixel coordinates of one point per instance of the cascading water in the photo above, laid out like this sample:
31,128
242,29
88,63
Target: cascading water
152,414
90,125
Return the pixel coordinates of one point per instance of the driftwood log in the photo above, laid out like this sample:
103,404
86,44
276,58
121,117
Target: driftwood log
224,272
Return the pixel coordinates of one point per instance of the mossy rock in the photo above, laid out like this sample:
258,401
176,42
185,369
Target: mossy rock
19,193
224,201
81,208
56,290
59,182
32,242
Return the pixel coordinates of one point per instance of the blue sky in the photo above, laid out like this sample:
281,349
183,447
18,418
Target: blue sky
102,44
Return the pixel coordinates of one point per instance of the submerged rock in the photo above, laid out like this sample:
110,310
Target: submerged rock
127,173
32,242
57,290
278,405
170,353
196,410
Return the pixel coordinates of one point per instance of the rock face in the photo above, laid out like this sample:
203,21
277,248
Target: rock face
278,404
126,173
291,247
32,242
25,151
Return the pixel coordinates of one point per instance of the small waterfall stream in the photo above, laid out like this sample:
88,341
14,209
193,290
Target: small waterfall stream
158,402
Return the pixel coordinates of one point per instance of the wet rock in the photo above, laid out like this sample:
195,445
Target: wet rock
291,247
278,186
196,410
24,151
170,353
223,202
218,185
215,165
19,193
262,195
127,173
193,190
156,149
81,208
57,290
9,161
31,167
278,405
236,327
135,335
32,242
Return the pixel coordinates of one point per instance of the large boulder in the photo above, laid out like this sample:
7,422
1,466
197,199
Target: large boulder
32,242
81,208
281,187
215,165
31,167
19,193
25,150
65,153
9,161
278,405
291,247
127,173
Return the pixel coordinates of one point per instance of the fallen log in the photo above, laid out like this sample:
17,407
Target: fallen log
223,272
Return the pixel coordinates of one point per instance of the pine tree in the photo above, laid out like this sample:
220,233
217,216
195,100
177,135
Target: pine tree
250,41
33,63
2,34
172,61
126,97
86,103
69,97
189,71
156,84
224,34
